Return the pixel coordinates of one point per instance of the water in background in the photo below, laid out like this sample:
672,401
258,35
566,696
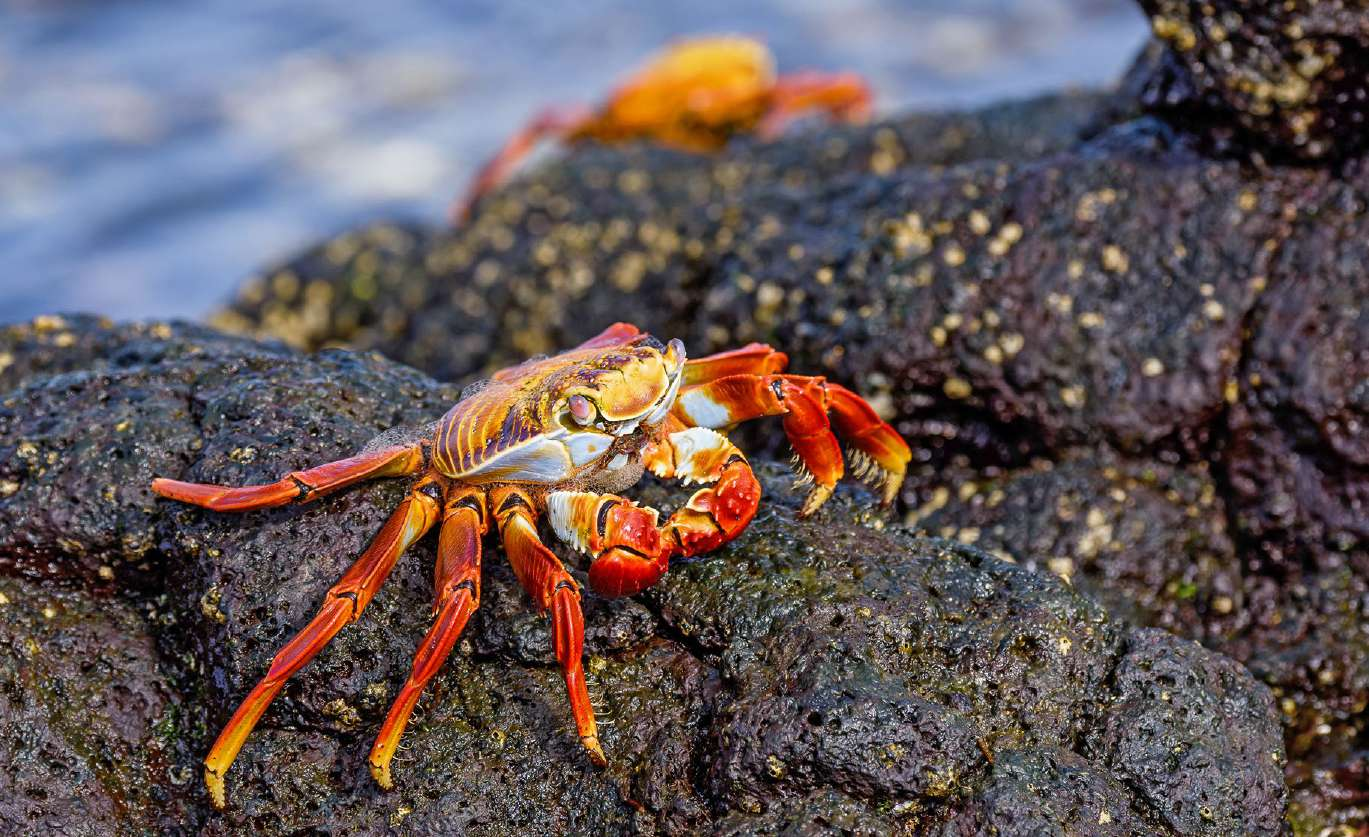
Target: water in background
154,154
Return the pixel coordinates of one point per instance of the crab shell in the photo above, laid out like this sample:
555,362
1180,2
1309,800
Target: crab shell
691,96
519,428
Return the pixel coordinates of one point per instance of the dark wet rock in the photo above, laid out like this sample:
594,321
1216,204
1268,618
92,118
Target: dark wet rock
1147,538
832,673
1331,793
1298,456
1288,79
601,223
822,812
1050,792
57,343
93,735
1007,311
98,523
1187,719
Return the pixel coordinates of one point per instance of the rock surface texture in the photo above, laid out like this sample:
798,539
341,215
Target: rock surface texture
1125,333
1289,79
833,674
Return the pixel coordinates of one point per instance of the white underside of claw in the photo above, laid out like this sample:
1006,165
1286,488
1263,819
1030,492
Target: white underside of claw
585,447
696,449
549,458
561,511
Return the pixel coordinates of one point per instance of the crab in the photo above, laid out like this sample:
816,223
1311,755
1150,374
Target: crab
694,96
555,438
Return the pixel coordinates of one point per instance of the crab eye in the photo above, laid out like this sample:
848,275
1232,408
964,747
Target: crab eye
580,409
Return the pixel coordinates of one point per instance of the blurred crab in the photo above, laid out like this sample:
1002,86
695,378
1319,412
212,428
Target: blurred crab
695,95
555,437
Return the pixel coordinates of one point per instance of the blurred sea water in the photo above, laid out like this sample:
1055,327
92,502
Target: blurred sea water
155,154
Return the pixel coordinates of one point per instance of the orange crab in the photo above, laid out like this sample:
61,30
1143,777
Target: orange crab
556,436
694,96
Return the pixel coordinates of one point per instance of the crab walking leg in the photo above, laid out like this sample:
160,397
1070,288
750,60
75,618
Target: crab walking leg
343,604
730,387
752,359
552,122
802,402
880,454
630,552
457,584
844,96
551,587
298,486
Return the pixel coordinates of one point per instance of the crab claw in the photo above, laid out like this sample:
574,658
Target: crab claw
621,572
629,553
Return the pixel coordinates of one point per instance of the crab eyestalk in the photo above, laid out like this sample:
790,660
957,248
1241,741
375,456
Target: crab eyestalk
675,356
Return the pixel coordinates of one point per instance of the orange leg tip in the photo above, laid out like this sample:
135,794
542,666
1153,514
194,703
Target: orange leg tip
390,733
380,771
596,753
213,780
891,488
186,492
228,498
815,500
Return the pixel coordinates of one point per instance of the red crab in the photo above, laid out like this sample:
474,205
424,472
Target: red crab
555,437
695,95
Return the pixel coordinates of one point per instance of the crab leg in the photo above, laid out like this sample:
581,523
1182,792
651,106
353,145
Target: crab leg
727,388
730,400
552,588
630,552
551,122
457,582
343,604
752,359
298,486
879,453
844,96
